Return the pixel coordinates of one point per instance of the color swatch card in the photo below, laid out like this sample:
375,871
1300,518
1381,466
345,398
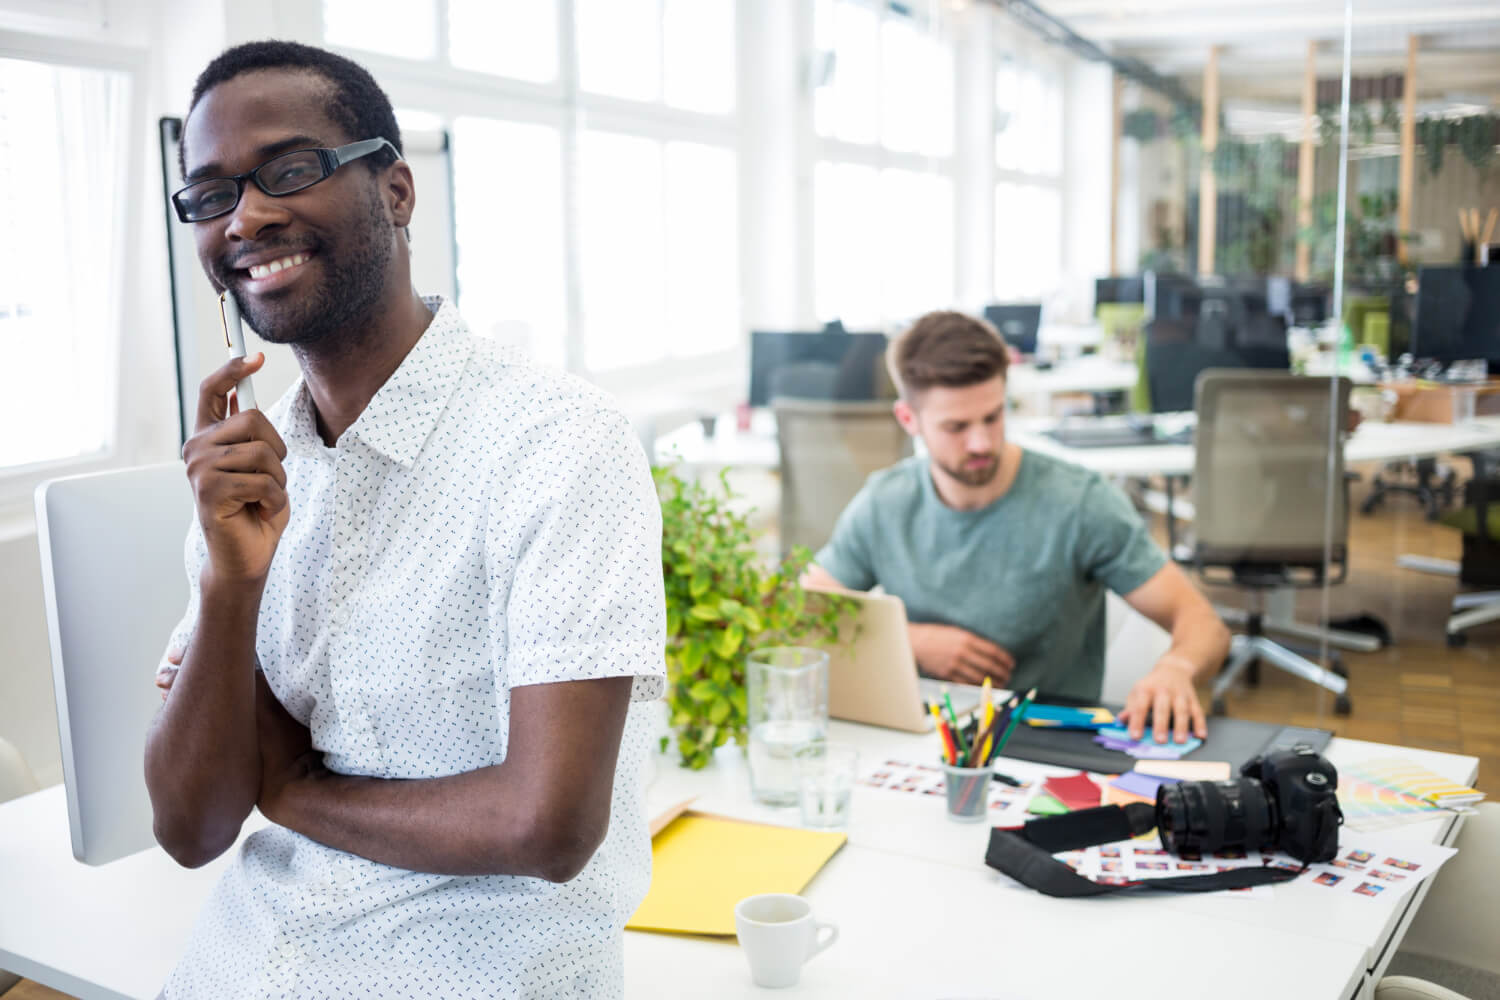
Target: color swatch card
1415,780
1116,737
1065,717
1076,791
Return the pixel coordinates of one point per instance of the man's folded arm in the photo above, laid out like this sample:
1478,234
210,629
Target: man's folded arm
543,812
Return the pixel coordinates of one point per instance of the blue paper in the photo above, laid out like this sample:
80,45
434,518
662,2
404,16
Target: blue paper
1118,738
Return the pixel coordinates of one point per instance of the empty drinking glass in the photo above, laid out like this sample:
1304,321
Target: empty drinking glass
826,772
787,688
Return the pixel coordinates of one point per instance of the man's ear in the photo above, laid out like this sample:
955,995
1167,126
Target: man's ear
905,416
400,191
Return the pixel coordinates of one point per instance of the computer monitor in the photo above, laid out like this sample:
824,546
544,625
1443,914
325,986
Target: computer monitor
1119,290
824,364
1457,314
1017,323
1194,325
1302,304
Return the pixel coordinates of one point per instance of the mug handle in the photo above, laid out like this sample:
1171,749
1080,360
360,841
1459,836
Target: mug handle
820,942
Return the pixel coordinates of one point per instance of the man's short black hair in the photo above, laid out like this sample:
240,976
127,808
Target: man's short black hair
357,103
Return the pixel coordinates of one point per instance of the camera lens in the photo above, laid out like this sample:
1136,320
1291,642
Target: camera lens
1200,817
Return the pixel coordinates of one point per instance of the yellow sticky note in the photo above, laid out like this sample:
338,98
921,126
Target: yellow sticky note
703,865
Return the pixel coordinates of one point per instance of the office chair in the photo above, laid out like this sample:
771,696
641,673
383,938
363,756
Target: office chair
1479,520
1264,460
828,450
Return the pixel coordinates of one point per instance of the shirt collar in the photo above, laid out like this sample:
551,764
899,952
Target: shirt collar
400,417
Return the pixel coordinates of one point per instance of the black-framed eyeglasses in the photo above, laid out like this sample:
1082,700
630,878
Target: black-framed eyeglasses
281,175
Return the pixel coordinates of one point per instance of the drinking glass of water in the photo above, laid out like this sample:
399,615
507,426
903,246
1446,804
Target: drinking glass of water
787,693
826,782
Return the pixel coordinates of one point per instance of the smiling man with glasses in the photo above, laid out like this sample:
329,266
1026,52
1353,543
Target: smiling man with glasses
426,616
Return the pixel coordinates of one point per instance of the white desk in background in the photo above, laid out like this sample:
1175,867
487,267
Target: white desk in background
1065,339
1371,442
756,448
729,447
1034,387
919,913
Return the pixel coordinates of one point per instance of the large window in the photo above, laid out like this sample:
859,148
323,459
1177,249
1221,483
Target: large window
1029,166
62,181
507,177
883,211
883,243
595,177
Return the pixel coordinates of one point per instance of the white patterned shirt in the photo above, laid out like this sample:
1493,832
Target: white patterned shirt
485,524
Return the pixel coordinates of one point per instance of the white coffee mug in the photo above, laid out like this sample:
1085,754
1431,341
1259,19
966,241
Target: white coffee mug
778,933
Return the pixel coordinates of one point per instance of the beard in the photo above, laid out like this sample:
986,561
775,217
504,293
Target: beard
327,318
972,476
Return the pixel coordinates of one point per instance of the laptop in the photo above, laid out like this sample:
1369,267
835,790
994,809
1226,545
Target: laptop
874,679
108,630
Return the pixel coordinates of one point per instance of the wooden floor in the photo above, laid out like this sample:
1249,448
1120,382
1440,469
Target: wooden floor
1416,691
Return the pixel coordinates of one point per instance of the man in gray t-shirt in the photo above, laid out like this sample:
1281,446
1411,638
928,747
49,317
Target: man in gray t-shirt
1002,555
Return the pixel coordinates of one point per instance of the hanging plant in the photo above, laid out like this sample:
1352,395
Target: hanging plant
1390,116
1142,125
1328,124
1432,134
1184,122
1361,125
1475,136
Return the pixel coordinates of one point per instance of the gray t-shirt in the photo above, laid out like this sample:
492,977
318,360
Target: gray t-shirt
1027,572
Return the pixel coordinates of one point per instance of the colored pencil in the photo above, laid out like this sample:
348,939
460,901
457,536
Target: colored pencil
1015,718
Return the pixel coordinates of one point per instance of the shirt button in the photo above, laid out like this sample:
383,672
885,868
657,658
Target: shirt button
288,951
341,616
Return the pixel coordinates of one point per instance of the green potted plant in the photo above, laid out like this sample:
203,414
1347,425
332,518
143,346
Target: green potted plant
722,602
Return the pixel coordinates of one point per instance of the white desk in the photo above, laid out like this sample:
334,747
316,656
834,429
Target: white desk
729,448
1371,442
1034,387
756,448
919,914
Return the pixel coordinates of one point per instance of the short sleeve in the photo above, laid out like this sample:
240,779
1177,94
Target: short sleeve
194,557
582,528
1114,546
848,554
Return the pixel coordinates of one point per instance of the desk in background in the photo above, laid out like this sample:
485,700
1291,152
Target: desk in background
919,913
1372,442
756,448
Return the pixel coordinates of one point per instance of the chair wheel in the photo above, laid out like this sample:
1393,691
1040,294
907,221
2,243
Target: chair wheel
1457,640
1252,674
1216,707
1342,705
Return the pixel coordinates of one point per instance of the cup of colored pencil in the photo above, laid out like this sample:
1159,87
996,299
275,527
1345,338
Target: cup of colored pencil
969,751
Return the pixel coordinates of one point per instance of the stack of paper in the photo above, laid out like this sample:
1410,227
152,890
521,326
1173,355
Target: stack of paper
1117,737
703,865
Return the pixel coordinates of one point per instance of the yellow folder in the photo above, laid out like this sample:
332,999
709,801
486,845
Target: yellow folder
702,865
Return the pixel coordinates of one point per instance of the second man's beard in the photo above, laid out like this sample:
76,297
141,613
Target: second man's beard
981,476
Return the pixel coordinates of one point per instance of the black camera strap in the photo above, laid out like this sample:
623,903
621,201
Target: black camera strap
1025,854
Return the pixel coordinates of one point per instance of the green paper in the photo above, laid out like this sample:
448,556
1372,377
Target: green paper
1043,804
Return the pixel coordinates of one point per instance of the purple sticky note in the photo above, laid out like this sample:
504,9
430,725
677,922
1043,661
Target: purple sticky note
1138,784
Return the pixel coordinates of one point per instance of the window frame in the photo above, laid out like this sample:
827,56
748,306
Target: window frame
832,150
437,87
19,482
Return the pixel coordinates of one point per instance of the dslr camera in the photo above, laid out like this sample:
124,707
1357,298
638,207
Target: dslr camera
1283,801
